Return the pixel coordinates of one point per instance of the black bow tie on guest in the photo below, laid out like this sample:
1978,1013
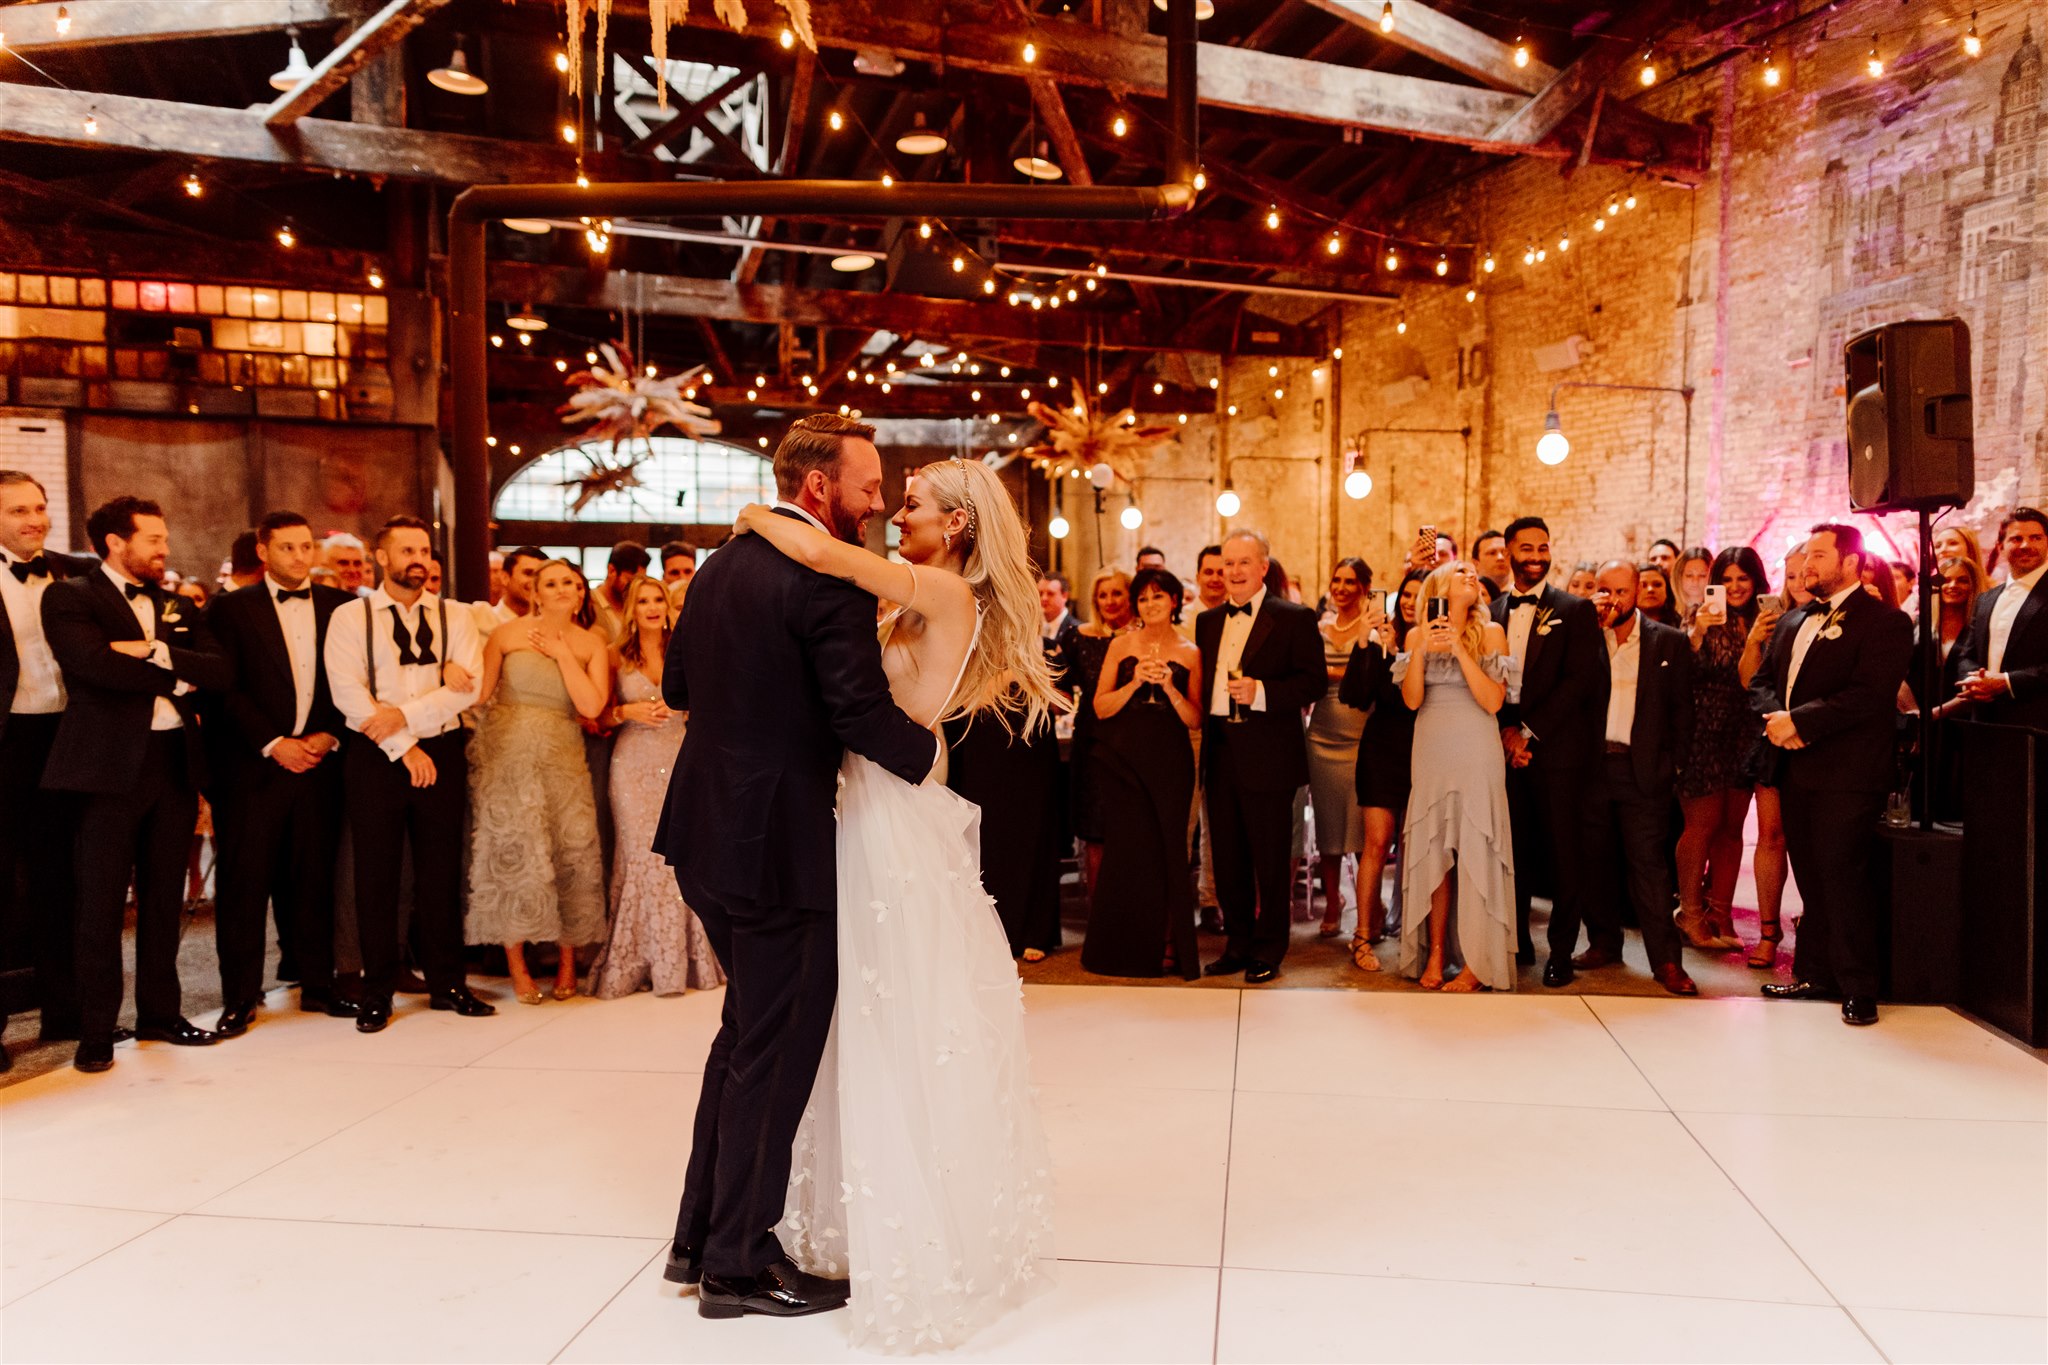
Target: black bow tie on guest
26,569
288,594
1524,599
413,648
1238,609
135,590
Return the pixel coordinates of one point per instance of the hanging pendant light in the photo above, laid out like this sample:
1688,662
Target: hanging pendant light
526,320
1204,9
1039,167
920,140
533,227
296,68
456,77
853,262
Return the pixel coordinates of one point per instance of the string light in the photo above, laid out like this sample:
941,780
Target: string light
1471,296
1529,255
582,181
988,286
1201,180
1771,74
590,357
193,187
1564,243
1120,125
568,132
526,339
1629,202
924,230
1443,263
1599,225
1973,46
1401,328
1334,245
562,61
63,21
376,278
92,124
561,367
1030,53
1874,64
888,180
1393,261
1521,51
1387,16
1648,75
787,39
959,264
497,340
835,120
1487,264
1272,217
286,237
1336,353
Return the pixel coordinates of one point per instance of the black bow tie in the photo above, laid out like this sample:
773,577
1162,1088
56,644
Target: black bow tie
135,590
290,594
1235,609
1518,599
26,569
414,648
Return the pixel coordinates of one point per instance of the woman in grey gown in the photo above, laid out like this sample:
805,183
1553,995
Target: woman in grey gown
1334,727
536,872
1457,854
656,943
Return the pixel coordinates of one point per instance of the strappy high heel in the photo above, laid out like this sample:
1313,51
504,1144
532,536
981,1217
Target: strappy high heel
1765,955
1362,955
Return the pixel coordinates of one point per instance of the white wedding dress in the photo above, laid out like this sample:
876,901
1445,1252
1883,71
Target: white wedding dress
920,1170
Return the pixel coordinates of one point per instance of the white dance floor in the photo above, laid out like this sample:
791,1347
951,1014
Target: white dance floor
1274,1175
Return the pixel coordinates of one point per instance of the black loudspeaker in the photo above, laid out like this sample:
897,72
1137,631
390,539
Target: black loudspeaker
1910,444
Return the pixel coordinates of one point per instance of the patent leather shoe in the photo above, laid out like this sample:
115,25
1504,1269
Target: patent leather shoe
463,1001
234,1021
94,1055
1258,973
1557,972
685,1265
178,1032
333,1006
1797,990
1859,1010
779,1290
372,1016
1230,964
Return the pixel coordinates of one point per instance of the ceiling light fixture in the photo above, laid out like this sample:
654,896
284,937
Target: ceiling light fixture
920,140
853,262
296,68
457,79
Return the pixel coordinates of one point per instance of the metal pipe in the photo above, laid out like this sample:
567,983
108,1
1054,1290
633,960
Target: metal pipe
480,204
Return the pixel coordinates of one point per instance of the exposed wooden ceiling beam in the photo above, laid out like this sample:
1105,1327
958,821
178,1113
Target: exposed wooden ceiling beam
92,204
1073,159
34,114
788,157
97,23
387,27
1295,247
1574,85
1446,41
722,300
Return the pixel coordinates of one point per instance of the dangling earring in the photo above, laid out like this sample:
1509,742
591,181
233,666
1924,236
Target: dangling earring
947,536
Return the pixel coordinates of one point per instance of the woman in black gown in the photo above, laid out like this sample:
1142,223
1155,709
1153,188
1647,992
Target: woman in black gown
1383,754
1141,920
1015,781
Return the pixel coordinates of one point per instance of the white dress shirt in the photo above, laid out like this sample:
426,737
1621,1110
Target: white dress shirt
805,515
165,716
1521,621
301,644
1624,666
39,691
1237,628
2004,613
1809,631
1049,630
430,706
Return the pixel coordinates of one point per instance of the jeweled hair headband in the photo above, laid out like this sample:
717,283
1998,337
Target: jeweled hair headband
966,497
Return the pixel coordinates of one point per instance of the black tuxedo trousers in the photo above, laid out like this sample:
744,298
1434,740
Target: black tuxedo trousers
278,832
1557,828
1832,837
386,815
146,828
38,898
1250,842
782,978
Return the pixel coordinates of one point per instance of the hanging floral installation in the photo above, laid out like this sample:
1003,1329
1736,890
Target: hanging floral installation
1083,437
661,14
618,402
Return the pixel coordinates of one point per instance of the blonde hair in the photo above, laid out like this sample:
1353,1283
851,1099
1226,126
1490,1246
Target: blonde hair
1438,584
1007,672
1096,625
628,640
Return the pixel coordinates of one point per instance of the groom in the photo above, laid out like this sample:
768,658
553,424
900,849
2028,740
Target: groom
781,672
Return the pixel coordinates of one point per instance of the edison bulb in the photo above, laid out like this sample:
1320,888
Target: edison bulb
1132,518
1228,504
1057,528
1358,484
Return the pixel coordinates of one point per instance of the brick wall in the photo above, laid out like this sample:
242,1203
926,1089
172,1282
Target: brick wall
32,441
1838,203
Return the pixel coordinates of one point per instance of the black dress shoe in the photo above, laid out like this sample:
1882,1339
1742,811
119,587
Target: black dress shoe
1525,957
1557,972
94,1055
1859,1010
779,1290
1211,921
180,1032
685,1265
1797,990
372,1016
234,1021
288,972
1258,973
1228,965
411,983
333,1006
462,1001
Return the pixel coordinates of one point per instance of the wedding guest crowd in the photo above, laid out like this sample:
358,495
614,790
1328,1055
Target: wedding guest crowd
394,777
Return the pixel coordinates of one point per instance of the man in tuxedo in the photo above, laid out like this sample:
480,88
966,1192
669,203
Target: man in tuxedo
780,671
2004,666
1552,728
1059,626
274,739
1828,692
132,656
1649,730
402,668
1490,557
36,896
1262,662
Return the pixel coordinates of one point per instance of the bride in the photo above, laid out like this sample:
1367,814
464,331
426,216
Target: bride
920,1169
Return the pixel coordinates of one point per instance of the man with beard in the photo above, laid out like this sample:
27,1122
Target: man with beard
2005,653
1828,692
132,655
1553,728
402,668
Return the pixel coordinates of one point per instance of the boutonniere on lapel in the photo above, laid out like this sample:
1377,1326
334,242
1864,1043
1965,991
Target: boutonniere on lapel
1545,621
1831,627
167,611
